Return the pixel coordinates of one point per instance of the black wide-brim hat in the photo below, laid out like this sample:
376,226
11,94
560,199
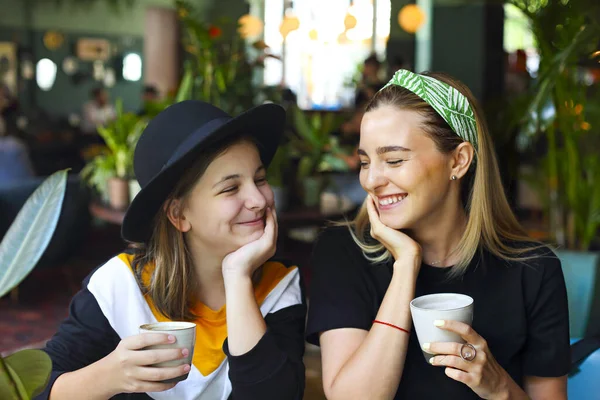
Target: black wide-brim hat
172,142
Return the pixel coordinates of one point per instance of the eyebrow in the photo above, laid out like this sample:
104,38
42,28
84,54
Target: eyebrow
383,150
236,176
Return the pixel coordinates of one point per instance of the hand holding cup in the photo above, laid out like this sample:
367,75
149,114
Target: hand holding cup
149,362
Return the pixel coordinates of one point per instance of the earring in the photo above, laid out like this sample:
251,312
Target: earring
453,177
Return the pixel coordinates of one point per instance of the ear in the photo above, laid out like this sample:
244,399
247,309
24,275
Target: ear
462,159
174,210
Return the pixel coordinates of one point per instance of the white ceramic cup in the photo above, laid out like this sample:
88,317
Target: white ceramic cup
185,338
440,306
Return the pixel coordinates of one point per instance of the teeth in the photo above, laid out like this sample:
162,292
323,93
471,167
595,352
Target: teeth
391,200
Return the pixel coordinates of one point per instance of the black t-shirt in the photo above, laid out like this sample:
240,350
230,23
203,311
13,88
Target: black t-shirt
520,310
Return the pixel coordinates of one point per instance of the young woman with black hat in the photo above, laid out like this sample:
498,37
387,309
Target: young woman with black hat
203,229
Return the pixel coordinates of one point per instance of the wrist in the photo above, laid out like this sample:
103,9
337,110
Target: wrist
234,272
102,371
504,391
408,264
236,280
502,395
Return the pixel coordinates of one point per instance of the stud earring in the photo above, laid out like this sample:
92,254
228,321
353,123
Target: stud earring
453,177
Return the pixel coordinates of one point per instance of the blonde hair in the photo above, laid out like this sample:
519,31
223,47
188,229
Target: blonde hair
172,287
491,224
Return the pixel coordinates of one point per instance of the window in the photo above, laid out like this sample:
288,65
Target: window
518,36
322,56
45,74
132,67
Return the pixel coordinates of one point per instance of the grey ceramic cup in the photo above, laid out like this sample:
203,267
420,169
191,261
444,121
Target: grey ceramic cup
185,338
439,306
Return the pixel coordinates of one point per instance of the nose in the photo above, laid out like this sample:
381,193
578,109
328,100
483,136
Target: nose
374,178
255,200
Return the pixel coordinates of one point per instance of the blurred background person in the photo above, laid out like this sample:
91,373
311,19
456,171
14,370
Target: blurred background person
98,111
150,96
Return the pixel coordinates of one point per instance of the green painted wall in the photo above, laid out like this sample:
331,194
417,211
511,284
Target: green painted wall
98,18
458,40
401,45
466,42
67,95
125,29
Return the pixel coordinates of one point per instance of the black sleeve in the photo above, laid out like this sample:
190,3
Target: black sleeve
339,296
82,339
273,369
547,351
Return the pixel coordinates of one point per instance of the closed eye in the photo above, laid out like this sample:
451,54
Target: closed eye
395,162
230,189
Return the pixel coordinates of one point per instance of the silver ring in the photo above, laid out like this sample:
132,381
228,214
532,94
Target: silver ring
468,352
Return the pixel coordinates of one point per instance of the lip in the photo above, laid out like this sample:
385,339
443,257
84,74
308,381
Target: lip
385,196
253,222
388,207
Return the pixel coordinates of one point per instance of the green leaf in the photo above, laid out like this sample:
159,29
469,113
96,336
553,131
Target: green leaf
542,92
316,122
305,129
31,231
220,80
185,88
8,390
22,392
31,369
278,166
305,168
333,163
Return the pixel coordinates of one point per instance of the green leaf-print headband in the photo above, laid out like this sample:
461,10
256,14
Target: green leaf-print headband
451,104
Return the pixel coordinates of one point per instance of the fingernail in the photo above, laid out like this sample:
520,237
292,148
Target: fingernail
185,352
171,338
186,368
426,346
431,360
439,322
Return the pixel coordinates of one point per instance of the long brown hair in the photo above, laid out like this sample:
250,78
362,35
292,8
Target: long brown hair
491,223
172,287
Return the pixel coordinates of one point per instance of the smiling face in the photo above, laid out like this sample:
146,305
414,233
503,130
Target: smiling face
226,208
403,169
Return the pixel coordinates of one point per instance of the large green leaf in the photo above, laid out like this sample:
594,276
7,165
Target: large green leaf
30,233
187,82
8,390
30,370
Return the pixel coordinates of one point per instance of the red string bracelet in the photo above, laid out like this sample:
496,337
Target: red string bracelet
392,325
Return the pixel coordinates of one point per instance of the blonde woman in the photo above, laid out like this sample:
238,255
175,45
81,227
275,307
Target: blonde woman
204,229
435,220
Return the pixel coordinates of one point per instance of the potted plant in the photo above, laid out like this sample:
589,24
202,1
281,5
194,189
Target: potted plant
276,177
24,374
218,67
563,112
111,171
317,151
